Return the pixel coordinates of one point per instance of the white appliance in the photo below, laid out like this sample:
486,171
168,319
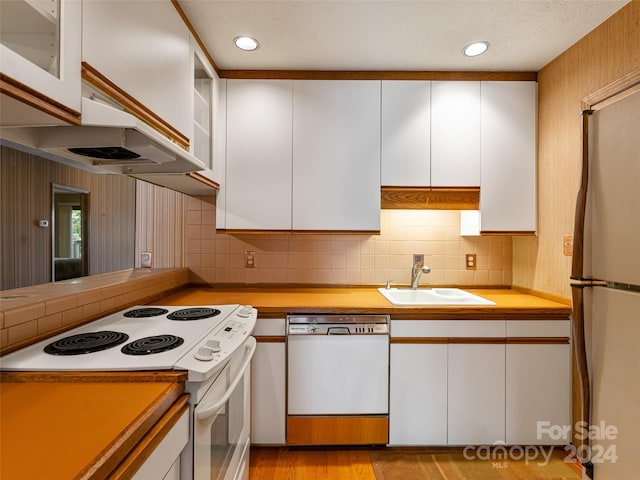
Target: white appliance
212,343
338,365
606,291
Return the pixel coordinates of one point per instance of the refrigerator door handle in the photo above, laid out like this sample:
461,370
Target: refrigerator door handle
589,282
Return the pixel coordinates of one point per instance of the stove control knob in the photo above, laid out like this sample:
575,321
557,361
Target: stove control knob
213,345
204,353
245,312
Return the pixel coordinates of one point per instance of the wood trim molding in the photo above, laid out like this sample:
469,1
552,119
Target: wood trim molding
93,377
376,75
538,341
118,450
480,340
195,35
338,430
270,338
202,179
235,231
29,96
624,86
513,233
148,444
132,105
435,198
418,340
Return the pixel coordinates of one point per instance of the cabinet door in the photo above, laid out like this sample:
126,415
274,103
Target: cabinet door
538,389
268,407
259,136
406,133
143,47
418,394
40,48
455,134
508,157
336,155
476,392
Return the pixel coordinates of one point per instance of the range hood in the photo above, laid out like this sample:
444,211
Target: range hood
109,140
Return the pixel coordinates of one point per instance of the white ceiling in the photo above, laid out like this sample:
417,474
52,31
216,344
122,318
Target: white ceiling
424,35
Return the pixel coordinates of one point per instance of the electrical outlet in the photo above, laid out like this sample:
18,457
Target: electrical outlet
145,259
249,259
470,261
418,258
567,245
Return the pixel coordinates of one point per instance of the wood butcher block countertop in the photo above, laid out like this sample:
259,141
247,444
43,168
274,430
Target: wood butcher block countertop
58,426
273,301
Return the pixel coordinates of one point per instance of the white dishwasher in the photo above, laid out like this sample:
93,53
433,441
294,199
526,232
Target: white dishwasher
337,379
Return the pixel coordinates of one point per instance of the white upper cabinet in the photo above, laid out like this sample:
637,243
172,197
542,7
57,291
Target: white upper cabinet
203,94
40,49
455,134
143,48
508,152
259,156
336,155
406,133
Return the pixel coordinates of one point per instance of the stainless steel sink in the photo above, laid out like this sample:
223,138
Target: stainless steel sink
432,296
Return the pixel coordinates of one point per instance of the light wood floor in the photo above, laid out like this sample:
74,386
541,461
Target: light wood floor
282,463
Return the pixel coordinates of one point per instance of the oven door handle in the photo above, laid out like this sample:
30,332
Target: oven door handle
211,410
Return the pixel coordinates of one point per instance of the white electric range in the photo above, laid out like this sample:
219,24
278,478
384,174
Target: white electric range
212,343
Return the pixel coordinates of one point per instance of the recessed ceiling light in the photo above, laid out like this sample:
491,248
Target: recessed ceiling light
476,48
246,43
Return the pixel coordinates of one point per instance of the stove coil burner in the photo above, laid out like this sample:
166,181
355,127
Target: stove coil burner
86,343
197,313
145,312
151,345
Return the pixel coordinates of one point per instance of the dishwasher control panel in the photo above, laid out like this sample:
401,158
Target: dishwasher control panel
338,325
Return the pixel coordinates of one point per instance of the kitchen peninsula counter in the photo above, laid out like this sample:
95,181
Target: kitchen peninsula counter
276,301
89,426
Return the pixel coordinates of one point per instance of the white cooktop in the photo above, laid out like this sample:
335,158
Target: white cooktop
34,358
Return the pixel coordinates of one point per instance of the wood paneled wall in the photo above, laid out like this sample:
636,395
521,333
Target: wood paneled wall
25,195
603,56
160,225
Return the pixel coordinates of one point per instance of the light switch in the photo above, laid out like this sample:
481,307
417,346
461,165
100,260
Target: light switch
567,245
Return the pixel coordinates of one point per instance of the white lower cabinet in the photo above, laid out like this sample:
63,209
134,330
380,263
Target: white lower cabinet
476,391
268,384
473,382
538,384
418,394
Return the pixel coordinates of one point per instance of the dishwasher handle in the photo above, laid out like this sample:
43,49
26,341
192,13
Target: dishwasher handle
338,331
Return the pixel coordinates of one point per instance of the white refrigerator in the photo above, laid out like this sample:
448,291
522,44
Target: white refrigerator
606,289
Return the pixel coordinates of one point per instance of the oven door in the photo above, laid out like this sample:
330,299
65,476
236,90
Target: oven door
222,421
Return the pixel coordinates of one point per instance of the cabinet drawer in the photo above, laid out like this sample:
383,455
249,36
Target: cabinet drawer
538,328
268,327
448,328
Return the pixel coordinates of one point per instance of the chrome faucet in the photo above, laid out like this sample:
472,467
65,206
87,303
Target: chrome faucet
417,270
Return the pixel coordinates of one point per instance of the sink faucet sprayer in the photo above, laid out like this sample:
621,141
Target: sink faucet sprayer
417,270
